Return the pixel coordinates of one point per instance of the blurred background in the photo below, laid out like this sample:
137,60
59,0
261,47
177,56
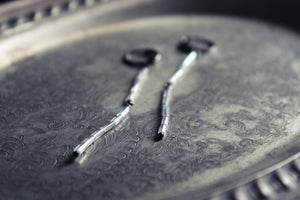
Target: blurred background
284,12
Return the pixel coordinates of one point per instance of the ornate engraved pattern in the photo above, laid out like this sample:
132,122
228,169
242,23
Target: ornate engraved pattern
51,102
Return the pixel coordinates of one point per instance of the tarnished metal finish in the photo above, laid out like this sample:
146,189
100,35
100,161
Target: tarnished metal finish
233,130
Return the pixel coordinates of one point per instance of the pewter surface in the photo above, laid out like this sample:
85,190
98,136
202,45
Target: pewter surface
234,108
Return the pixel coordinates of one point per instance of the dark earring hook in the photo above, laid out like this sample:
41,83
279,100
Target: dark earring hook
140,58
188,44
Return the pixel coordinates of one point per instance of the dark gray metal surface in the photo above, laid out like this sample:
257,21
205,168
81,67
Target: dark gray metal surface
234,115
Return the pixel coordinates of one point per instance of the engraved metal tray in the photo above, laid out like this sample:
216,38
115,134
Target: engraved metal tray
234,128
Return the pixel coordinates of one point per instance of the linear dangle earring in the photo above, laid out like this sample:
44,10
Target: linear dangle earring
138,58
195,47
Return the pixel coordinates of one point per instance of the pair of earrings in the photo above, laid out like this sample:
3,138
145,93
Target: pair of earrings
143,59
